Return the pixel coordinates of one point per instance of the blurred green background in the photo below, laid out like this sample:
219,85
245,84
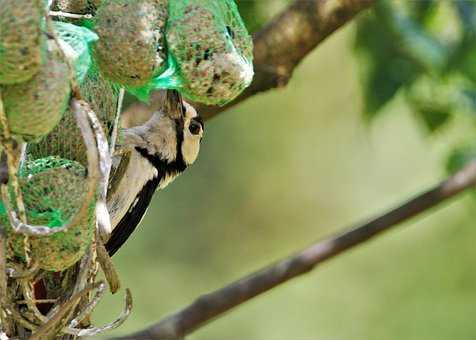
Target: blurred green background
289,167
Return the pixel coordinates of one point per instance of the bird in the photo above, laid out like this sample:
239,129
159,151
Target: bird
152,156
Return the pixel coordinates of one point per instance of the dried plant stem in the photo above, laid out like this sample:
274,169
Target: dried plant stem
3,265
104,167
32,270
116,323
37,301
70,15
89,307
47,329
27,292
107,267
20,320
13,159
117,119
4,319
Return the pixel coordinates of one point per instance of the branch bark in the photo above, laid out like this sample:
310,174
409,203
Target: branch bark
287,39
215,304
281,45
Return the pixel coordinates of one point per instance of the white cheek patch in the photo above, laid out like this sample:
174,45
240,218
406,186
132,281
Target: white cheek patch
190,147
191,143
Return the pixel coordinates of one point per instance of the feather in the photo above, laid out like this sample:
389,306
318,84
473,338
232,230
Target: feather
133,217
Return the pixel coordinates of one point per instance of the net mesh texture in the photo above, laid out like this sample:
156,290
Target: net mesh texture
199,47
53,192
20,40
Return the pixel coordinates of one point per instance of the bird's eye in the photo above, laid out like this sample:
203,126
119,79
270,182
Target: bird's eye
194,127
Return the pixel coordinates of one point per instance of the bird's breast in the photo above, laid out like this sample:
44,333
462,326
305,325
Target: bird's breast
138,173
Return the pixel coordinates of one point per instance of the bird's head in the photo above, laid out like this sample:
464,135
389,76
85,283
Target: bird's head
173,134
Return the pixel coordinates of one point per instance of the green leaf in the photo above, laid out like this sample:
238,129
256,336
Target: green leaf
460,157
464,61
435,99
433,118
411,39
383,82
384,70
422,9
251,13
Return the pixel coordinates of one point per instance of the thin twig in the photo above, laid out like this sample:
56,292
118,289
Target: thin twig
110,326
117,119
107,267
3,282
20,320
45,330
13,157
105,163
70,15
87,310
32,270
215,304
27,292
37,301
84,266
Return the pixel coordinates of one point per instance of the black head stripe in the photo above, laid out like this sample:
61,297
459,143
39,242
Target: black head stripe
179,126
165,167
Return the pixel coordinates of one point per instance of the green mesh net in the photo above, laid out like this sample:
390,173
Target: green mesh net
34,107
65,140
20,40
37,166
131,50
210,52
54,192
206,54
75,42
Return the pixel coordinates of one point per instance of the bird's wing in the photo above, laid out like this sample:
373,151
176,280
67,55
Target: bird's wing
133,217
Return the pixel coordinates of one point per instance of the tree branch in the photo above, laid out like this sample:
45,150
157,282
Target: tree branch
287,39
214,304
281,45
